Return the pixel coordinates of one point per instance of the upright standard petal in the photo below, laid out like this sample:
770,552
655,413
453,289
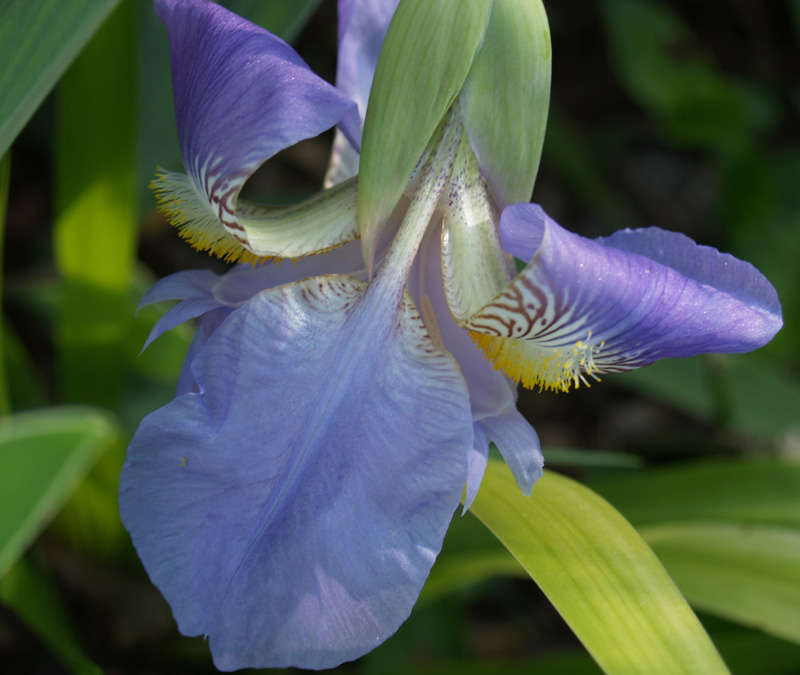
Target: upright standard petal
241,96
585,307
362,27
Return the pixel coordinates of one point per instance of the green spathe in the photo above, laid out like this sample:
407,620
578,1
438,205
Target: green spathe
425,58
506,97
495,59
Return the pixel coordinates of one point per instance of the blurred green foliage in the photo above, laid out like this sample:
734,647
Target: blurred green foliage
686,115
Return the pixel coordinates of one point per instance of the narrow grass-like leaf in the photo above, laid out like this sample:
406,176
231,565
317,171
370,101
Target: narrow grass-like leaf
759,396
37,42
43,457
5,173
599,574
764,491
95,231
591,458
746,573
32,596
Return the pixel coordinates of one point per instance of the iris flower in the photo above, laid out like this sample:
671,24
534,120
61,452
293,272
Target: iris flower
290,501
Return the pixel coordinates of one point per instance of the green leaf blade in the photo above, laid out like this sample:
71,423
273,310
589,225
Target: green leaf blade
43,457
749,574
37,42
599,574
96,198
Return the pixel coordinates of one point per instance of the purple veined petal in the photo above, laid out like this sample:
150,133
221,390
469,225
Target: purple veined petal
362,27
343,163
202,291
585,307
703,264
192,287
180,313
185,285
241,95
519,444
493,396
490,391
242,282
206,326
292,508
476,464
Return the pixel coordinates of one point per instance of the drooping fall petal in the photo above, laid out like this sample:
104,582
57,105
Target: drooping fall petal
292,507
586,306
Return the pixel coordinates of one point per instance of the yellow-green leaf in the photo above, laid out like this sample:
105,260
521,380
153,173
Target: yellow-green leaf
599,574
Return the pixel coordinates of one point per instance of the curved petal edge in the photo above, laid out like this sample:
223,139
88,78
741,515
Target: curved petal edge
241,95
582,307
291,507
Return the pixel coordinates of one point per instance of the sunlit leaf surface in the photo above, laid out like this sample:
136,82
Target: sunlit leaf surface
599,574
95,233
